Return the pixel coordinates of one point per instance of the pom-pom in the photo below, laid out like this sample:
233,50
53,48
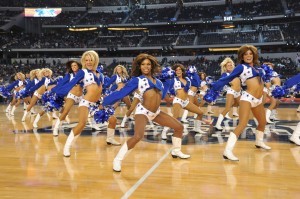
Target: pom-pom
22,94
268,72
191,70
4,93
210,96
99,69
101,116
209,80
167,73
52,102
278,92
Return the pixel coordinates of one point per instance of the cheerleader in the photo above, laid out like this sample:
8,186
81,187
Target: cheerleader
119,78
203,89
39,89
181,85
195,84
74,96
151,90
251,100
233,90
33,80
279,91
92,83
270,85
15,86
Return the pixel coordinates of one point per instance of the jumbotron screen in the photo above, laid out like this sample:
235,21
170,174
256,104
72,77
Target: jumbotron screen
42,12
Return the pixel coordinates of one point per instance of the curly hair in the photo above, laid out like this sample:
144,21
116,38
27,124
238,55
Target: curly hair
175,66
243,49
224,63
136,65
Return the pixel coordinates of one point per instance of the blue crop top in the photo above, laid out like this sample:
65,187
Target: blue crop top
141,83
177,84
85,75
243,71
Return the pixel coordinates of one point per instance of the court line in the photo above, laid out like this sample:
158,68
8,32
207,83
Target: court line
145,176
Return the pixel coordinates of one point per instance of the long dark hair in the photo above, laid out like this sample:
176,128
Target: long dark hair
69,64
136,65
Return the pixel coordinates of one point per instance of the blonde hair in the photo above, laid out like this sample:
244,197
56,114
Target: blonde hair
33,73
49,70
40,74
93,55
22,76
124,71
224,63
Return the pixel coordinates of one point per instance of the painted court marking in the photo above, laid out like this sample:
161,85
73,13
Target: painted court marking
147,174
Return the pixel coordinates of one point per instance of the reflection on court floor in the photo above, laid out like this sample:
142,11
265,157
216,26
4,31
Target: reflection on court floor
277,132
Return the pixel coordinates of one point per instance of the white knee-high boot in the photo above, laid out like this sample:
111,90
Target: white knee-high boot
164,132
56,126
227,116
176,152
169,111
120,156
295,136
184,116
36,120
7,110
68,144
298,109
268,114
259,140
219,121
24,106
229,147
24,116
197,127
54,115
273,115
110,140
124,121
235,112
12,112
209,109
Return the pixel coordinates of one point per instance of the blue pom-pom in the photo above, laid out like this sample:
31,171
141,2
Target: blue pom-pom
52,102
279,92
4,93
209,80
99,69
191,70
22,94
103,115
210,96
167,73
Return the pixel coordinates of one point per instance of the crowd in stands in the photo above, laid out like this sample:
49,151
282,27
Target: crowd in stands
98,39
162,14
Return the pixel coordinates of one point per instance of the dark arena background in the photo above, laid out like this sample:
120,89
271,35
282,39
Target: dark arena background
36,34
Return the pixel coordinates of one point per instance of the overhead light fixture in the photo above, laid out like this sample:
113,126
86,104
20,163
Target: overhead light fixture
127,28
222,49
82,29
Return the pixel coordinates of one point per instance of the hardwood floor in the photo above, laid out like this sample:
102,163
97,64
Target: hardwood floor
32,164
